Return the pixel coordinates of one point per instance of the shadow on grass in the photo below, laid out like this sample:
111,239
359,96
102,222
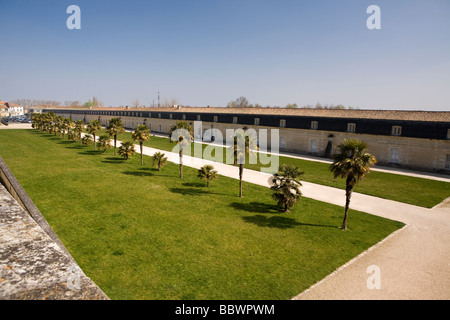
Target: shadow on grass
280,222
194,184
113,160
91,152
138,173
255,207
190,191
272,222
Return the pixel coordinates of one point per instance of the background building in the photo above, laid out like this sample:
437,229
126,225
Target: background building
409,139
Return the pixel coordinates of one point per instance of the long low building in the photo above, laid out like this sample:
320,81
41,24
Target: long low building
409,139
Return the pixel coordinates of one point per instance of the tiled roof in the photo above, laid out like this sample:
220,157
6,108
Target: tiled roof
440,116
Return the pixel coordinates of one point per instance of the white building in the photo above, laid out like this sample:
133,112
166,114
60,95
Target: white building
12,109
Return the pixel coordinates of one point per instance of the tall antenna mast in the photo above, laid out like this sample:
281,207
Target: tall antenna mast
158,100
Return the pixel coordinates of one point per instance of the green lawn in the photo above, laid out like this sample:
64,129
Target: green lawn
417,191
144,234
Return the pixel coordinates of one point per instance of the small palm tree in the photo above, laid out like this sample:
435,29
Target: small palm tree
159,160
285,185
60,127
104,142
72,135
244,145
353,163
86,140
79,127
36,121
68,124
182,133
93,128
114,128
207,173
126,149
141,134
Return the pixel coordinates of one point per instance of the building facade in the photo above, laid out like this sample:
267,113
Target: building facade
410,139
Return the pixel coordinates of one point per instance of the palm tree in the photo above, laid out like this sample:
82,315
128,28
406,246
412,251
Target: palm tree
244,145
86,140
59,120
285,185
207,173
36,119
68,124
141,133
127,149
114,128
159,160
182,133
104,142
353,163
79,127
93,128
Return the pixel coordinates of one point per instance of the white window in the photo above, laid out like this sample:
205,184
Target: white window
282,123
314,125
256,121
159,115
447,162
235,119
313,148
394,158
170,116
199,117
282,143
216,118
160,128
396,130
184,117
351,127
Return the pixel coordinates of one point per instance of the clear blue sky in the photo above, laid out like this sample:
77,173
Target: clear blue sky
209,52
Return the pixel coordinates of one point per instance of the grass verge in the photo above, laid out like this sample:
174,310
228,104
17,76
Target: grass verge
144,234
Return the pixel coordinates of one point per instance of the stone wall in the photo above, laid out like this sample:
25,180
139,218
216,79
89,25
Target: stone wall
34,264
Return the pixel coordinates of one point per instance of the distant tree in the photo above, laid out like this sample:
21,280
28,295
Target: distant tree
353,163
207,173
285,185
291,106
127,149
136,103
141,134
159,160
240,102
182,133
93,128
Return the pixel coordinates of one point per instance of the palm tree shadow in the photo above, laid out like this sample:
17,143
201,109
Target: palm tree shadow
194,184
91,152
256,207
272,222
113,160
190,191
138,173
280,222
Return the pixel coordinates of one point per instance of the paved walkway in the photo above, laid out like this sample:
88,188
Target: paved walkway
414,262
